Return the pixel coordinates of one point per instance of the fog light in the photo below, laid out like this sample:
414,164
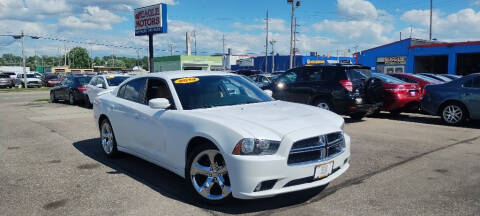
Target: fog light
345,161
265,185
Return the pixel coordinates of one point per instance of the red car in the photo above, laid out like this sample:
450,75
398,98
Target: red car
421,80
53,82
399,95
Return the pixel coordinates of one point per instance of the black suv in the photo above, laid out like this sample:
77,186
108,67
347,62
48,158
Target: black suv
344,89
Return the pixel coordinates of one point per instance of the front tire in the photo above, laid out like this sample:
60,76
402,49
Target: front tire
206,175
453,114
323,104
52,98
71,99
107,139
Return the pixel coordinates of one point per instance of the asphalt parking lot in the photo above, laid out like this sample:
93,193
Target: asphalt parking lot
51,163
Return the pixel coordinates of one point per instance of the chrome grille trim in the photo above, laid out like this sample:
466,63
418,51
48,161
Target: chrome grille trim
327,147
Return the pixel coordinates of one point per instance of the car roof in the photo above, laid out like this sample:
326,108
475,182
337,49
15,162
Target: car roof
180,74
105,75
337,66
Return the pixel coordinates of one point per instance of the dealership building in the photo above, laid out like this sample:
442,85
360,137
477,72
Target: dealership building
421,56
282,62
184,62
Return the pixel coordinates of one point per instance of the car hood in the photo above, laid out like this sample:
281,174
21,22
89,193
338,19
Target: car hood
273,119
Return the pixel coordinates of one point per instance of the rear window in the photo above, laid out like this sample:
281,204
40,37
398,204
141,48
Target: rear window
115,81
359,74
4,76
83,80
388,79
425,78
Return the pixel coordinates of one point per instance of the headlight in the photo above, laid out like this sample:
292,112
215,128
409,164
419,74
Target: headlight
251,146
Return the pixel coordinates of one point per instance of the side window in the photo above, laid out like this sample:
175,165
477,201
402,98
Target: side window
289,77
121,91
157,88
473,83
315,75
93,82
134,90
101,80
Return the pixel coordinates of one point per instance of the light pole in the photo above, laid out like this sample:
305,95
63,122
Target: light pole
272,42
292,27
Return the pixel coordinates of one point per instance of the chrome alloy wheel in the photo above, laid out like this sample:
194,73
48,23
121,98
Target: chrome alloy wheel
107,138
452,114
209,175
323,105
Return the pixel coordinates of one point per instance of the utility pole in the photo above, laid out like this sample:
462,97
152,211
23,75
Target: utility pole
195,41
431,11
294,4
171,48
400,35
138,56
23,55
113,58
266,44
295,42
65,56
272,42
223,52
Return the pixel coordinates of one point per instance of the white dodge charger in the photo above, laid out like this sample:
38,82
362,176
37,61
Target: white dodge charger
224,135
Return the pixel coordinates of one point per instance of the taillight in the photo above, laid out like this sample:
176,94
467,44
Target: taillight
347,84
82,88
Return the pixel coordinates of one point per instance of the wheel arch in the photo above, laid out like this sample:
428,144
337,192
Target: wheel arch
316,97
195,141
449,101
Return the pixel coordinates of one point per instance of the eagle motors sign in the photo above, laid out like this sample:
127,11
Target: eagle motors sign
151,20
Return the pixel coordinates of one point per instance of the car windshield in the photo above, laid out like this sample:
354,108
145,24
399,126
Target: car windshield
428,79
388,79
212,91
83,80
115,80
359,74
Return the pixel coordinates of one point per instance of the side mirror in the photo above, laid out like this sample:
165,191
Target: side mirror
99,85
159,103
268,92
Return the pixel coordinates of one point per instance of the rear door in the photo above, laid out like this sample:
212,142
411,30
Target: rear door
125,114
471,96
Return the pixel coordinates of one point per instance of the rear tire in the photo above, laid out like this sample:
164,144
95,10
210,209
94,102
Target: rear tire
395,112
107,139
207,180
87,102
357,116
453,113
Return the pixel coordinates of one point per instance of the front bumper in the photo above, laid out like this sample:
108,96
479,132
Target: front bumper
246,172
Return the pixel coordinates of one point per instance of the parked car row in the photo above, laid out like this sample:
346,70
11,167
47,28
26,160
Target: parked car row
84,89
353,90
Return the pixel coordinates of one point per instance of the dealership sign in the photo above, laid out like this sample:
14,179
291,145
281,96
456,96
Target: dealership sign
393,60
151,20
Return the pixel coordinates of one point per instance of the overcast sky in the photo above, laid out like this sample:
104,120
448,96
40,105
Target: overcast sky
324,25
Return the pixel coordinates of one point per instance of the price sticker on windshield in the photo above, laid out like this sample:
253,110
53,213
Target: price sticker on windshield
187,80
110,77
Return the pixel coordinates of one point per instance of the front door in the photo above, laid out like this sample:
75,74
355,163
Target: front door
471,96
153,122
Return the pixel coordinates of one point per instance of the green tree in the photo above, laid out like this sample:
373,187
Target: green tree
78,58
115,63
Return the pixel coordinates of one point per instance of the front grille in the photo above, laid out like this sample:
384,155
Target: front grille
33,82
316,148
